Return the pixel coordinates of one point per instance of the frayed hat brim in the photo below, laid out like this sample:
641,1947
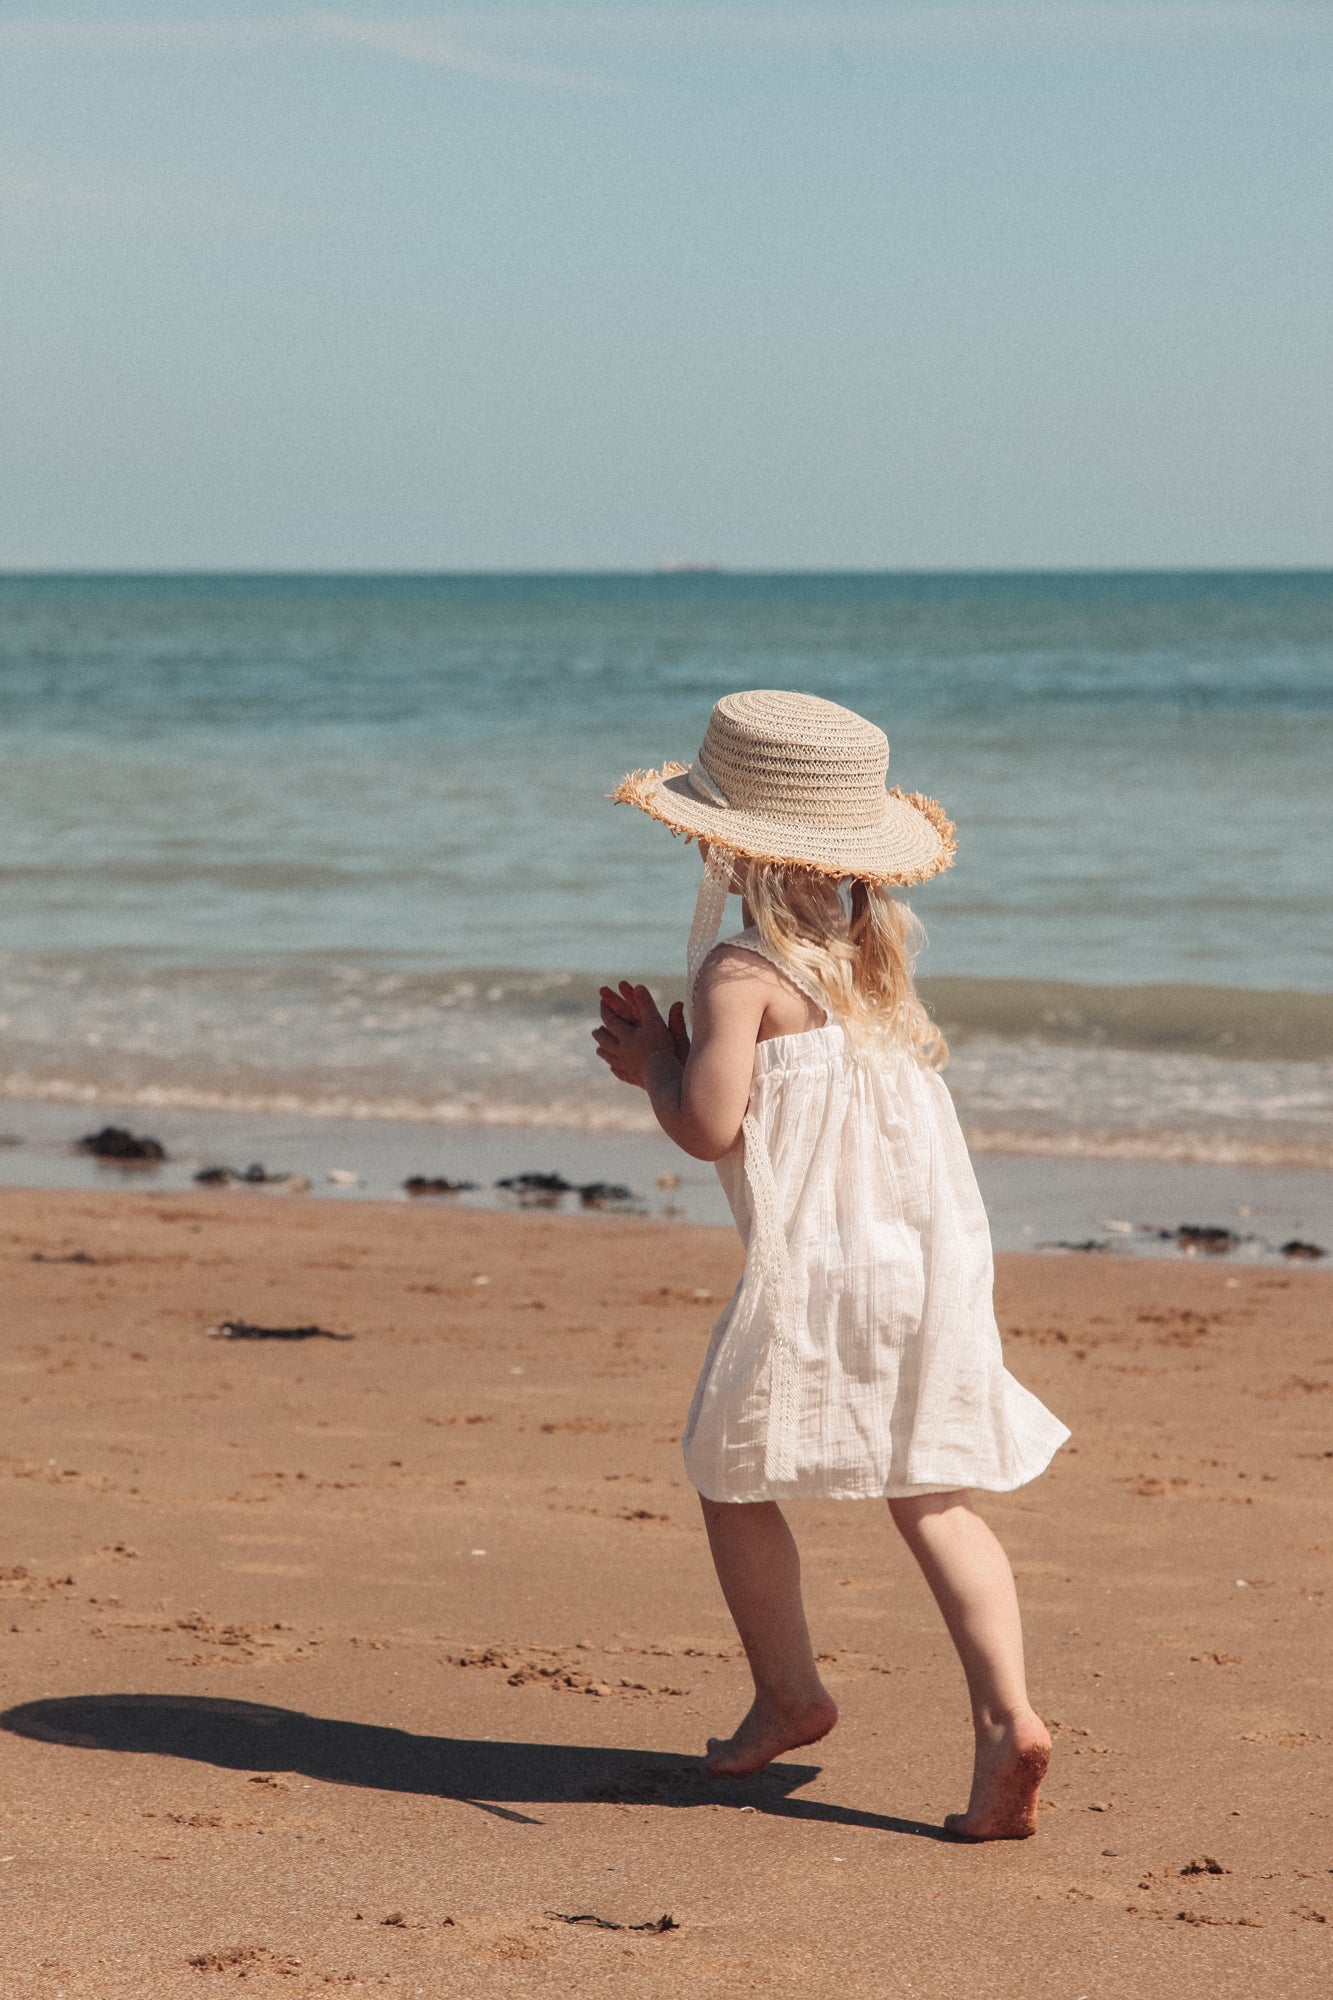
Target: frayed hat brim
914,840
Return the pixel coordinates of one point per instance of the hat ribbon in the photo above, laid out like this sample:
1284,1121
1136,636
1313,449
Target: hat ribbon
700,782
709,909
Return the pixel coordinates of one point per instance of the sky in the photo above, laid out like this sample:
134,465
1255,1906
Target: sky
777,286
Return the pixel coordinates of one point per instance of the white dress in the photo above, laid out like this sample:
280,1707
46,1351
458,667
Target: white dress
859,1356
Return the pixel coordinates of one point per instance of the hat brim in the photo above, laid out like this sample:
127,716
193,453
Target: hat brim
913,840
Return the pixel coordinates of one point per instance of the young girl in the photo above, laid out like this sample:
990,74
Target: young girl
859,1356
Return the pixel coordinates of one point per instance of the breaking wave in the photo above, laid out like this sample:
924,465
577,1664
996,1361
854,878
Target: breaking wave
1190,1073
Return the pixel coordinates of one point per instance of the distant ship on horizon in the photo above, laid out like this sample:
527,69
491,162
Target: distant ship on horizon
683,566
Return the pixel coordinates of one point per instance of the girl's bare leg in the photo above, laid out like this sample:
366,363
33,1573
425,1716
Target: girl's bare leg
760,1573
973,1584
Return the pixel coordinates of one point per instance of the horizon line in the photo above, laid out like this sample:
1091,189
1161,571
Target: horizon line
664,573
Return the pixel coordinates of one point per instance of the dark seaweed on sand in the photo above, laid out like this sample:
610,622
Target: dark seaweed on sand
1213,1242
244,1329
544,1190
658,1924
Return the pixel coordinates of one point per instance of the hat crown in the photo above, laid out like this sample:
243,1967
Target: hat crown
794,757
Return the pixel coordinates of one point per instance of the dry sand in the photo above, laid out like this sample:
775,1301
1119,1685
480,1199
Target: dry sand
364,1666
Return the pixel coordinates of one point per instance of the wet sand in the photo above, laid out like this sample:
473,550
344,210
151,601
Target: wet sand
382,1665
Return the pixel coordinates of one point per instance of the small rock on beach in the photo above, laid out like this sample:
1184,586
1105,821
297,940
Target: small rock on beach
115,1142
536,1184
605,1194
252,1176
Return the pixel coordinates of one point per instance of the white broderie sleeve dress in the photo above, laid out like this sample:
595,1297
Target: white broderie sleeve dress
859,1356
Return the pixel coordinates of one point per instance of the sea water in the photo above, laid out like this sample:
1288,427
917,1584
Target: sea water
340,846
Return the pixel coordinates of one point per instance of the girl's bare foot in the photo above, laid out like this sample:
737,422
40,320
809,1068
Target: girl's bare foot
767,1731
1010,1765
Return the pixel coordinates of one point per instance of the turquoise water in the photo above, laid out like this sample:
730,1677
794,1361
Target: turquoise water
305,840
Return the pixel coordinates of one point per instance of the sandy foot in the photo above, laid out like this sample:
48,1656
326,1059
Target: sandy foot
1006,1778
766,1732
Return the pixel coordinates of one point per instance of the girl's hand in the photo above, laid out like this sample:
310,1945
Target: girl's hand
699,1086
633,1034
625,1007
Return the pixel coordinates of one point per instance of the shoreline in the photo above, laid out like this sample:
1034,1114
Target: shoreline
1034,1200
1013,1134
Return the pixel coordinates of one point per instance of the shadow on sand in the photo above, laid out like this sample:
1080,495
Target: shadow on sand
248,1736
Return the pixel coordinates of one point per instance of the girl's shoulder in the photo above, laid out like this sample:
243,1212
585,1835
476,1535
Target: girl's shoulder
740,956
747,940
747,958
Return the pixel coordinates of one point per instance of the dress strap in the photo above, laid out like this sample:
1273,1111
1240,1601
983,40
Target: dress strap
772,1255
753,940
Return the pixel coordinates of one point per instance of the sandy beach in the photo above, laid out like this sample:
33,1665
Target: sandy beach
381,1664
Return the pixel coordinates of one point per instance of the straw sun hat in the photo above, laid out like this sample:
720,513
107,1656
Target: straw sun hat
793,779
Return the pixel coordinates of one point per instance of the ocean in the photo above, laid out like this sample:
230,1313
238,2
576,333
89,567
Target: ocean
338,847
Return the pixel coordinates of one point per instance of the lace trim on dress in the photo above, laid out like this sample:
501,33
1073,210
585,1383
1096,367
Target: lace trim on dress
768,1230
773,1263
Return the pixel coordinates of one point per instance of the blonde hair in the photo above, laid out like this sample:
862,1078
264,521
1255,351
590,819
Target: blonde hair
859,953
